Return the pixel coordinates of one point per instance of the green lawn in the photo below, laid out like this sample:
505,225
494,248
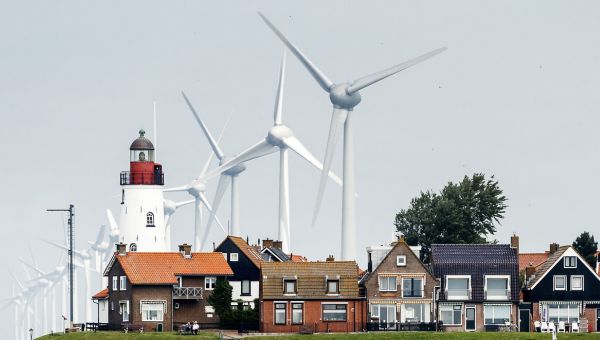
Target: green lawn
376,336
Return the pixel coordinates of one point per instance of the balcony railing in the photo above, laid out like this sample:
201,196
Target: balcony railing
187,293
147,178
497,294
458,294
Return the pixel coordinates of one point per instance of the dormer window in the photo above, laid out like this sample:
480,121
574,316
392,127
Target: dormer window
401,261
149,219
290,286
333,286
570,261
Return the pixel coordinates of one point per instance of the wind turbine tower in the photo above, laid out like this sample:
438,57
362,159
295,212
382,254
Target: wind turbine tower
142,219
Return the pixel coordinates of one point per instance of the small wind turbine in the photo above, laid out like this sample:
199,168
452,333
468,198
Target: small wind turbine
344,97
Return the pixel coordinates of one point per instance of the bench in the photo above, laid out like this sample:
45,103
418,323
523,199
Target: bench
183,330
133,328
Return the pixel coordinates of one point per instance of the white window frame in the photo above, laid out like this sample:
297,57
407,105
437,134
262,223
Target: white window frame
510,312
292,303
115,282
564,277
582,282
422,278
275,313
161,316
337,287
123,282
401,260
386,277
234,257
495,298
335,311
565,261
210,282
242,287
469,281
451,307
285,291
126,302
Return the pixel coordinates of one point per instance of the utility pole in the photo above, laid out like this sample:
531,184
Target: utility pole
70,232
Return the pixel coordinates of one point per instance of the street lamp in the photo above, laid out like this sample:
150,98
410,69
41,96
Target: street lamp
31,333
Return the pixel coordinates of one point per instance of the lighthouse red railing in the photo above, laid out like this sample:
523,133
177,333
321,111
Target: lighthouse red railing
142,178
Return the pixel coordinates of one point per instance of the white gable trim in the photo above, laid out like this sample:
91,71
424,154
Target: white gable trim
568,252
109,265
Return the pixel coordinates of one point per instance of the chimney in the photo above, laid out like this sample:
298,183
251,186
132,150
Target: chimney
514,242
330,258
186,250
278,244
553,248
529,271
267,243
122,248
370,265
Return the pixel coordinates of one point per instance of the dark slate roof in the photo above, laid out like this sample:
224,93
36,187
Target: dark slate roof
279,253
544,267
476,260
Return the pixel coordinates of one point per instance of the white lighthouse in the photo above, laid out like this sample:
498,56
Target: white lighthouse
142,219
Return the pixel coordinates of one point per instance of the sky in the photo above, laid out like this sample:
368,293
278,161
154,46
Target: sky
514,96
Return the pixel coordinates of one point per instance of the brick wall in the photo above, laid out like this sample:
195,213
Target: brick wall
312,318
140,293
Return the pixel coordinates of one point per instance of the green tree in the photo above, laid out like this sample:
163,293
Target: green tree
587,247
220,298
466,212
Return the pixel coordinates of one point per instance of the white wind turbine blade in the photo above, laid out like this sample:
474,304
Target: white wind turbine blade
319,76
259,149
212,154
213,144
176,189
337,120
181,204
279,98
365,81
224,181
296,145
111,220
99,237
204,200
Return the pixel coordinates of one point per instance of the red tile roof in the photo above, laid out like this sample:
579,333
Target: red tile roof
298,258
103,294
536,259
248,250
163,268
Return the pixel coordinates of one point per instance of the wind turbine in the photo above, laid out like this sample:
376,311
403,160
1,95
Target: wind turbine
196,188
344,97
170,208
280,137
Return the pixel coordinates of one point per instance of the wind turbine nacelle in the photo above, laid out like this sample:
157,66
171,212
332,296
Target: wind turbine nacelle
235,170
339,97
197,188
277,134
170,207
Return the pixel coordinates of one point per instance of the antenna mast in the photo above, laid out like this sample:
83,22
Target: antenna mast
70,232
154,130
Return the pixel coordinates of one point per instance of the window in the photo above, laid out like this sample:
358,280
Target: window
400,260
560,282
497,288
149,219
123,283
297,309
333,286
458,288
289,286
115,283
152,310
412,287
210,282
387,284
133,247
280,313
209,309
451,315
496,314
561,312
334,312
245,287
415,312
233,257
124,310
384,312
570,261
112,305
577,282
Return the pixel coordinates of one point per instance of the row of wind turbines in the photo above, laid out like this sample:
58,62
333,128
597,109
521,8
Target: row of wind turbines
344,98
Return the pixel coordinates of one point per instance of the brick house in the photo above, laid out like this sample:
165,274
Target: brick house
564,288
479,285
310,297
400,289
160,291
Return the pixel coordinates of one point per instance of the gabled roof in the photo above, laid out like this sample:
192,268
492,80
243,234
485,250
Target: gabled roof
103,294
553,260
535,259
163,268
311,278
277,253
473,253
298,258
398,244
251,253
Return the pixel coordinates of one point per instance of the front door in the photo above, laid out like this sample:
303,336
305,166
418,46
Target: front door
524,320
387,316
124,309
470,319
597,319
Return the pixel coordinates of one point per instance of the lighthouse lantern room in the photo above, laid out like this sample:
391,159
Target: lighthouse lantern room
141,221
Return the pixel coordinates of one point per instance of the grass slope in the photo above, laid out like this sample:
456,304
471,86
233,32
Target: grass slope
374,336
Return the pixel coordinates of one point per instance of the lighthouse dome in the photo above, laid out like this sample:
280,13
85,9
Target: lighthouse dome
142,143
